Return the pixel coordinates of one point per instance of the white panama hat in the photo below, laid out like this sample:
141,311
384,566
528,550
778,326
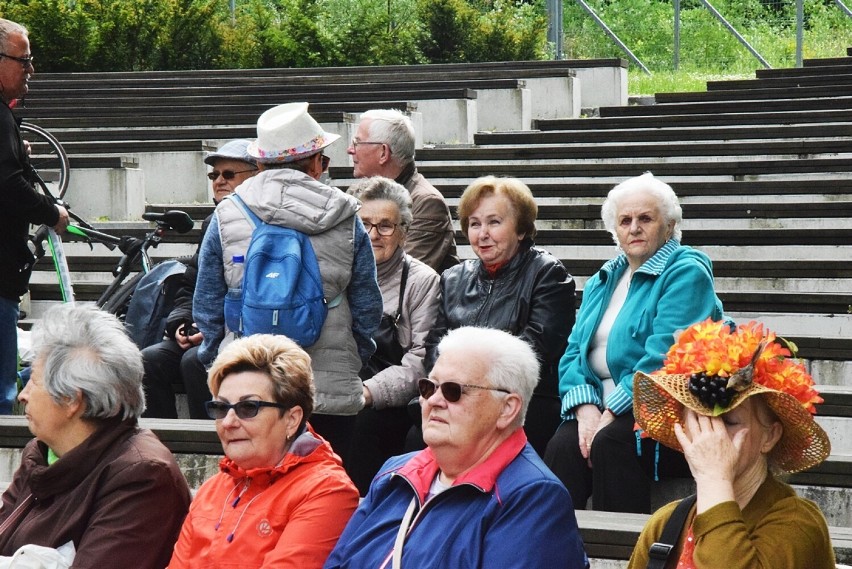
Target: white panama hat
287,133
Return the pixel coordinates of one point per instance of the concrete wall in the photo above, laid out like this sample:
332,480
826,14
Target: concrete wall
503,109
175,177
555,97
108,193
603,86
448,121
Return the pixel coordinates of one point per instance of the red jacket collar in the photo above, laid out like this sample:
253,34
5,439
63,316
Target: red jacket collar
421,470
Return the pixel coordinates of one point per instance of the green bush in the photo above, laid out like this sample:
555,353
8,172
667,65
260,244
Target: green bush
117,35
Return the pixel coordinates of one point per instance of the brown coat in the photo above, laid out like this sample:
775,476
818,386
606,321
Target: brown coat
430,238
776,529
119,496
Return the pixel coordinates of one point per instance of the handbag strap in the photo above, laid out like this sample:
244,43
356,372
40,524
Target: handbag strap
660,551
17,514
400,535
406,264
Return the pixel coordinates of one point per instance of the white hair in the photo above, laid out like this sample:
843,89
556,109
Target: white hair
7,28
86,351
393,128
512,363
381,188
663,193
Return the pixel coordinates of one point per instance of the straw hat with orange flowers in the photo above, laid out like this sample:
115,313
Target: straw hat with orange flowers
750,361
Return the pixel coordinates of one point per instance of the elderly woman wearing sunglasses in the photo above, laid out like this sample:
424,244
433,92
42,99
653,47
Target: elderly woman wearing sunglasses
282,497
478,495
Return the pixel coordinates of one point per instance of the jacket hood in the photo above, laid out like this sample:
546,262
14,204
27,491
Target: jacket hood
293,199
306,448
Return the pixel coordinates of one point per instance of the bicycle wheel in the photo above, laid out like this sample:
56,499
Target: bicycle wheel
48,158
118,302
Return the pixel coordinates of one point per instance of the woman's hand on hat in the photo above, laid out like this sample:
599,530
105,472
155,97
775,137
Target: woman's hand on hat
588,418
712,456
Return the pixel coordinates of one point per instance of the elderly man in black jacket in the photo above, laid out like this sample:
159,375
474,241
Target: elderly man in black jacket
175,359
20,204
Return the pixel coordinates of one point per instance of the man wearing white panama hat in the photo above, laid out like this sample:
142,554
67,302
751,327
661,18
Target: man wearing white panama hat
287,192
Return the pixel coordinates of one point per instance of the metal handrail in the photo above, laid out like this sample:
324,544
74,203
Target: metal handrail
612,35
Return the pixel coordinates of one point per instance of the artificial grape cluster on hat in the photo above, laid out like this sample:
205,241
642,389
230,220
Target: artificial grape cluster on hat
711,390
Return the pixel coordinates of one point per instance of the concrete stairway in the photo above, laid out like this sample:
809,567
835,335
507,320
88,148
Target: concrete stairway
766,188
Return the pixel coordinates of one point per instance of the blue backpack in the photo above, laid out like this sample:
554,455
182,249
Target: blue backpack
282,287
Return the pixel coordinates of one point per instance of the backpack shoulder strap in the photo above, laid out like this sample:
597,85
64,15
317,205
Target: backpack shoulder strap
406,264
660,551
250,216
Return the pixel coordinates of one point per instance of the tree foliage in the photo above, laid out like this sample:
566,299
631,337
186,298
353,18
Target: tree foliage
118,35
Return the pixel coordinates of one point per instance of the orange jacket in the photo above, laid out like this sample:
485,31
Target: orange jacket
288,516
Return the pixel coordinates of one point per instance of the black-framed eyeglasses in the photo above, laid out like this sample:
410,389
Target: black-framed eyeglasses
247,409
24,61
451,390
227,174
385,228
356,142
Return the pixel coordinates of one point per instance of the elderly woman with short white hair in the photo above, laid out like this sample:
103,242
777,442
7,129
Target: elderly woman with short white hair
631,309
478,495
411,291
91,477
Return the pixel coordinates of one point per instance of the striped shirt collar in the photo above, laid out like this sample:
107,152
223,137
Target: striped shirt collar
653,266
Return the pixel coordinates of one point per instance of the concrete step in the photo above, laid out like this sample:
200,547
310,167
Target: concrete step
839,430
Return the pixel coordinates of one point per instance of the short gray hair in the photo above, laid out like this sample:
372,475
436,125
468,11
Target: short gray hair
85,350
381,188
646,183
512,363
7,28
395,129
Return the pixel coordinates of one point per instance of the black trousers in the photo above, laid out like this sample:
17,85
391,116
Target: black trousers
167,364
379,435
542,421
337,430
619,480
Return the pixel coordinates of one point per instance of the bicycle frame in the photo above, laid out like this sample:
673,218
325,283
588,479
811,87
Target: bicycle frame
134,251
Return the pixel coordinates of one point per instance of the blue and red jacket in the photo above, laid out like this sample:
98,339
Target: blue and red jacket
510,511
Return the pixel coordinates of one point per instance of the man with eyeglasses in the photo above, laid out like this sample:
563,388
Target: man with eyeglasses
478,495
384,146
175,360
20,204
288,192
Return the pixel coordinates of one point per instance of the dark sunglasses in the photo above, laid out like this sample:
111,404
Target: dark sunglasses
450,390
325,162
227,174
244,409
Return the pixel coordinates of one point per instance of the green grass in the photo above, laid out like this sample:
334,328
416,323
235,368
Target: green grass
640,83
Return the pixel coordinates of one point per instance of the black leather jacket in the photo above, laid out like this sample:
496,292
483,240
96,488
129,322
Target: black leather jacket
532,297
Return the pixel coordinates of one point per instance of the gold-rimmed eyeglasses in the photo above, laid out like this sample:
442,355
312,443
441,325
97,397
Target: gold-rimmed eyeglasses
356,143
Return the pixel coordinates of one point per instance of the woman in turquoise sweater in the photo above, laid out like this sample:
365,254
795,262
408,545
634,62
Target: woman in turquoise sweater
630,312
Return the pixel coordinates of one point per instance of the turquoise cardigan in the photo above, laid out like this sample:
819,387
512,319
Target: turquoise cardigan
670,291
